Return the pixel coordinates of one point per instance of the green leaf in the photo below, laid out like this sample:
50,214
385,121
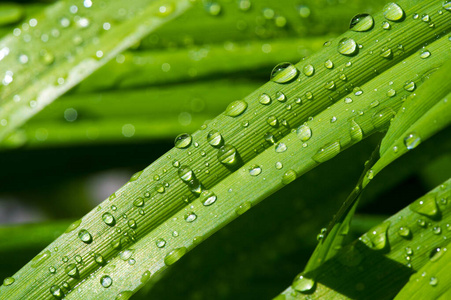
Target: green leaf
33,79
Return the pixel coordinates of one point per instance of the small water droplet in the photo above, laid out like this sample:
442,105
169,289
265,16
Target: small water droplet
173,256
71,270
56,292
288,177
377,238
160,243
436,253
281,97
361,22
272,121
85,236
186,174
386,25
73,226
265,99
404,232
236,108
208,198
393,12
330,85
255,170
279,165
447,5
183,141
308,70
386,53
327,152
284,72
348,100
108,219
8,281
433,281
437,230
409,86
139,202
412,140
227,155
328,64
425,53
98,258
347,46
280,147
106,281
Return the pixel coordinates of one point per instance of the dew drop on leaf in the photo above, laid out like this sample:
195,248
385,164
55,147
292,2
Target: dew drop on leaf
284,72
255,170
183,141
288,177
328,64
265,99
361,22
85,236
347,46
303,284
308,70
106,281
236,108
173,256
412,140
327,152
214,138
393,12
426,206
109,219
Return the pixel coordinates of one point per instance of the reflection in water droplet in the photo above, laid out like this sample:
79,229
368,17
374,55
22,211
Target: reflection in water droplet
330,85
377,238
281,147
8,281
393,12
425,53
183,141
329,64
409,86
108,219
190,217
173,256
382,118
71,270
227,155
347,46
288,177
85,236
412,140
386,25
284,72
255,170
214,138
106,281
208,198
308,70
303,284
272,121
361,22
426,206
160,243
265,99
281,97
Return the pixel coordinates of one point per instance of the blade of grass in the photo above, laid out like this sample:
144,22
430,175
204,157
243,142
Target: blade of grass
161,182
34,79
378,264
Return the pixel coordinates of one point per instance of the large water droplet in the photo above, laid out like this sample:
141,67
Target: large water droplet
308,70
393,12
173,256
377,238
447,5
183,141
281,147
236,108
436,253
71,270
108,219
56,292
186,174
424,53
289,176
106,281
330,85
426,206
361,22
227,155
272,121
327,152
329,64
8,281
404,232
347,46
412,140
284,72
214,138
409,86
303,284
85,236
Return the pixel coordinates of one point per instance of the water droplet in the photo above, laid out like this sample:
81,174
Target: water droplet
159,188
283,73
377,237
214,138
329,64
139,202
333,119
425,53
412,140
255,170
433,281
190,217
265,99
52,270
173,256
85,236
436,253
71,270
327,152
281,97
348,100
108,219
437,230
98,258
343,77
361,22
330,85
245,206
309,95
279,165
393,12
183,141
8,281
391,93
227,155
426,206
308,70
404,232
40,258
447,5
236,108
272,121
425,18
409,86
269,137
386,25
386,53
303,284
280,147
106,281
56,292
208,198
132,223
288,177
186,174
347,46
382,118
355,131
73,226
160,243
